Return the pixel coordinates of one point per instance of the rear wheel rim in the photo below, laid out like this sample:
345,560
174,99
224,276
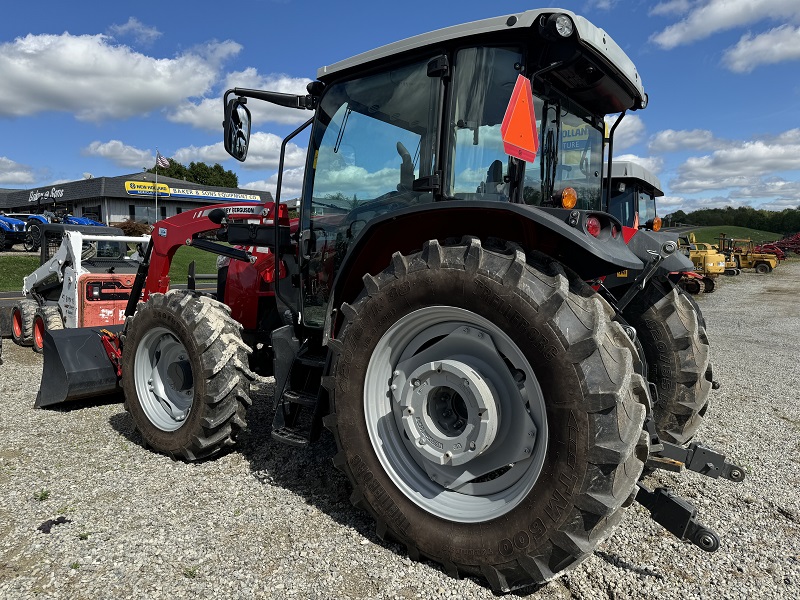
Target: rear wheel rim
164,379
492,480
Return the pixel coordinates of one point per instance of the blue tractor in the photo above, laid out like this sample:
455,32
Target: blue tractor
33,225
12,231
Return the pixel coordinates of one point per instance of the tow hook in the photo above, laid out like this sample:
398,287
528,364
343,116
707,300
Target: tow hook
678,517
698,458
673,513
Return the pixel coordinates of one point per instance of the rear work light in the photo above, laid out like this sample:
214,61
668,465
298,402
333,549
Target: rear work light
593,226
93,291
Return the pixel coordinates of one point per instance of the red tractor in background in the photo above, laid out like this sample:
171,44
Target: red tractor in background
433,306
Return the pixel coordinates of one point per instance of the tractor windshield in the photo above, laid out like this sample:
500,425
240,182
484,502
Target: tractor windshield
570,146
374,137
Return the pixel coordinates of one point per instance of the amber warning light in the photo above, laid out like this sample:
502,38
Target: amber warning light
520,138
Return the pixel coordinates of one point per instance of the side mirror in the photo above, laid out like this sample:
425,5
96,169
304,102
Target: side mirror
237,128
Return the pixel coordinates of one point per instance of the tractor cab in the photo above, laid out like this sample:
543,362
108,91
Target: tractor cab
632,195
495,126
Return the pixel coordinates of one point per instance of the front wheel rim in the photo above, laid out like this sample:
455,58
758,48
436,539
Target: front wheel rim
163,378
421,448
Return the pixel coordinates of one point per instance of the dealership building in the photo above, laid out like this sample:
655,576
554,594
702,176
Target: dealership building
114,199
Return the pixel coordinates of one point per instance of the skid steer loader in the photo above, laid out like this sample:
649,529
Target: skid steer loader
84,280
438,305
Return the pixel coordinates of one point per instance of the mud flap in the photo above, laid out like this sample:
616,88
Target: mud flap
76,366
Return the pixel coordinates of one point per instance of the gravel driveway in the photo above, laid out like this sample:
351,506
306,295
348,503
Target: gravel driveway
269,521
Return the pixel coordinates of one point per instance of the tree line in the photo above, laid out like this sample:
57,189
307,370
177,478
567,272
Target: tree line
199,172
784,222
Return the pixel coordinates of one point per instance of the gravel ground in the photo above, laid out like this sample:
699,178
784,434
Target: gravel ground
269,521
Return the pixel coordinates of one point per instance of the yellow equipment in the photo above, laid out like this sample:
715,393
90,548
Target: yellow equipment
742,253
707,260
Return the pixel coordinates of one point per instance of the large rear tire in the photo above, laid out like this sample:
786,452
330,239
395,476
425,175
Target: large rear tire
46,318
22,314
184,375
487,415
672,332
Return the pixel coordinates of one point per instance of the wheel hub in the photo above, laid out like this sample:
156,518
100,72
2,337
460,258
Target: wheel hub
449,411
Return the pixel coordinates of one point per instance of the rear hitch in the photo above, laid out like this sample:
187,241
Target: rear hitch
677,516
695,457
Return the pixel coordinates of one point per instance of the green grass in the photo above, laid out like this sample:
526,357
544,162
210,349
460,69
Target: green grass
13,269
710,235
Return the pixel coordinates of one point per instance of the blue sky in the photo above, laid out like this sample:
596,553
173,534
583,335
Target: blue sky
96,87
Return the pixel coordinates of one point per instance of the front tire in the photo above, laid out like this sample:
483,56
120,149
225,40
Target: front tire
22,314
46,318
672,332
486,414
184,375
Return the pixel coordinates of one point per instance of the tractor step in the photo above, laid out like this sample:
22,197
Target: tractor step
698,458
302,398
677,516
290,436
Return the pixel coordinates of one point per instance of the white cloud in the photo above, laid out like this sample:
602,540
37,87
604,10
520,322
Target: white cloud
139,31
263,153
670,140
774,46
671,7
713,16
121,154
600,4
629,132
207,113
88,76
14,174
746,165
654,164
291,185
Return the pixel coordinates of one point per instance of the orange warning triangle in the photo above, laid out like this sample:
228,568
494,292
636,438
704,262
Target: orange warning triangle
520,138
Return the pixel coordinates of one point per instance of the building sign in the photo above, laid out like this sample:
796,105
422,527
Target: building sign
212,195
51,194
145,188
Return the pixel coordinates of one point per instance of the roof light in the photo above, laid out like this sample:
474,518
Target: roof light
564,26
593,226
569,197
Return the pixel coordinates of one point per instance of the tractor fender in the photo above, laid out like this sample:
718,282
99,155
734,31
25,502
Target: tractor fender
645,242
39,218
558,233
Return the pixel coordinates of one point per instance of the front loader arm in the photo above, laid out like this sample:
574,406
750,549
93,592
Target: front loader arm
181,230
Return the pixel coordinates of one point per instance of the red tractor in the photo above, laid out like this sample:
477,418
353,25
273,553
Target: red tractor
433,306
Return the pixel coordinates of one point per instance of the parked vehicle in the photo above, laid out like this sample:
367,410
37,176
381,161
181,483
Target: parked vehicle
84,280
743,253
12,231
492,411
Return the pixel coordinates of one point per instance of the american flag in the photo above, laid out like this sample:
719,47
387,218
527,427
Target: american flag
161,161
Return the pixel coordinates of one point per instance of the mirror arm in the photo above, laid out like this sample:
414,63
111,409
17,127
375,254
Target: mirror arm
287,100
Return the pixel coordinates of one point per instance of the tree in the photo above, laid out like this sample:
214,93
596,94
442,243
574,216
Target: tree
199,172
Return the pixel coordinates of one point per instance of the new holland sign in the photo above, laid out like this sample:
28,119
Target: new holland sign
145,188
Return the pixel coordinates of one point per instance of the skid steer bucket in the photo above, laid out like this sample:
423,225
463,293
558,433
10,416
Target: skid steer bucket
76,366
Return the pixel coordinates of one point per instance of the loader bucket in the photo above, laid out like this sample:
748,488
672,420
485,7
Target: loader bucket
76,366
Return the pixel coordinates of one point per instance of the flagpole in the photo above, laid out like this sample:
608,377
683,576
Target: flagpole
156,217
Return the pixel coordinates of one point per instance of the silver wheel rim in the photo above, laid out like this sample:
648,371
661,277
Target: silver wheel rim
163,379
418,362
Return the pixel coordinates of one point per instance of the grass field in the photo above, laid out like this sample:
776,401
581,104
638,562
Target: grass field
710,235
13,268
